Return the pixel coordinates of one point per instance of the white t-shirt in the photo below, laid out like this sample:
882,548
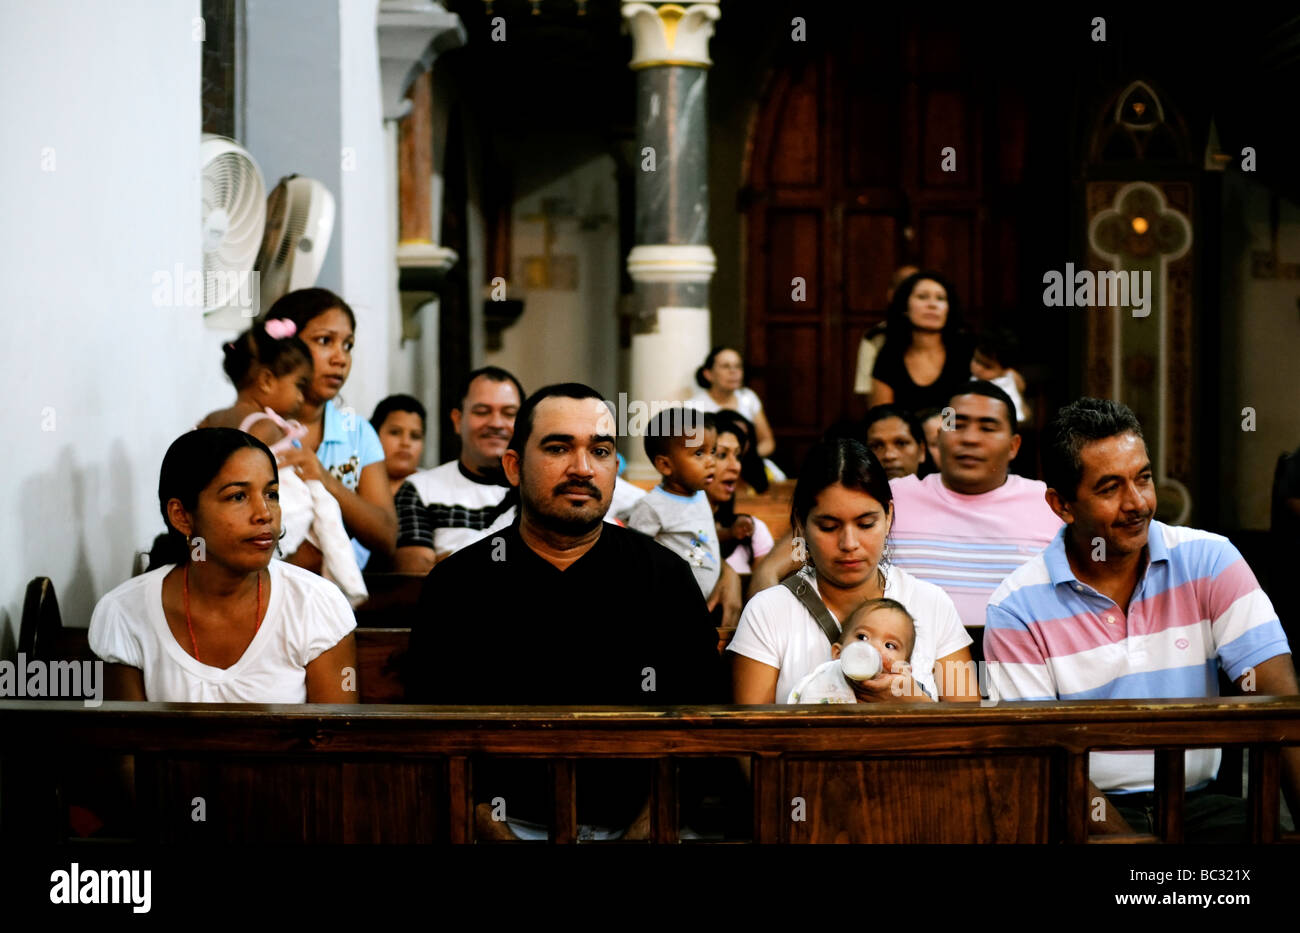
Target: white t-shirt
1007,384
745,401
460,508
684,525
625,496
306,615
775,629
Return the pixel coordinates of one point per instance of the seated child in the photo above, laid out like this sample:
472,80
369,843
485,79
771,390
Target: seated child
745,539
271,368
992,361
886,625
931,423
679,442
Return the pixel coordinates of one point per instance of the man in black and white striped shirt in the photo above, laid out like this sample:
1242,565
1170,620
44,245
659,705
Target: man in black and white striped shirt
467,498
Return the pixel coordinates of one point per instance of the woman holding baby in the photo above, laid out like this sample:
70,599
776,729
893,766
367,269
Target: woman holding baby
841,513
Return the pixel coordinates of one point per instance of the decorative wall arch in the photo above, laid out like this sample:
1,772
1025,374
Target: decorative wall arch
1139,212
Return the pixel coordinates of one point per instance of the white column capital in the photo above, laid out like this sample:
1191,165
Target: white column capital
412,33
665,262
670,33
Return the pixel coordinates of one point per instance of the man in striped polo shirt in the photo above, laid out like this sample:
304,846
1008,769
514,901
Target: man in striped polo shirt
967,527
1122,606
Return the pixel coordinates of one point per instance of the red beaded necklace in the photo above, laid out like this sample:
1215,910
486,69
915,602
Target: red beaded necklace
194,642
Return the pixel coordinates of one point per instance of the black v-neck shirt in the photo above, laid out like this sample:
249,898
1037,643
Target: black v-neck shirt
891,369
499,625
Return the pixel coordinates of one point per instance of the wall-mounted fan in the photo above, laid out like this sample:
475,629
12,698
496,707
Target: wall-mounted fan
300,221
234,214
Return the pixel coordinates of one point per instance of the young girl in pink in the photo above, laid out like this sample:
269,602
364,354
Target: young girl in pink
271,369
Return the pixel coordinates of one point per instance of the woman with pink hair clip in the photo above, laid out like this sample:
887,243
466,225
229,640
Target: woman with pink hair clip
271,369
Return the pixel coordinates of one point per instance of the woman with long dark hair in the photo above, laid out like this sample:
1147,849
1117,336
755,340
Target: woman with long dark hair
219,621
744,538
927,354
841,513
341,448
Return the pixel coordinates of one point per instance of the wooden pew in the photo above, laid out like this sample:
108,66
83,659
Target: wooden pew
392,602
1009,773
41,626
773,506
380,652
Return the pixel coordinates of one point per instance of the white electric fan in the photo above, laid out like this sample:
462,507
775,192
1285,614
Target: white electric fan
234,215
299,223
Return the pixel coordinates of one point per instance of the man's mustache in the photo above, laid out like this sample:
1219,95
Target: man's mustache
587,488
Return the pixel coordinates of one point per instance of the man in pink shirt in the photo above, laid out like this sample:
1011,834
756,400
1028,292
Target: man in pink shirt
968,526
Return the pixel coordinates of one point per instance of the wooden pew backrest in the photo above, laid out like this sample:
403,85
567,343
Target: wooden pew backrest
773,506
1014,772
393,600
380,653
41,625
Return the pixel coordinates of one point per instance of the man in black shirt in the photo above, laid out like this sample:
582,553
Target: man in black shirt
564,609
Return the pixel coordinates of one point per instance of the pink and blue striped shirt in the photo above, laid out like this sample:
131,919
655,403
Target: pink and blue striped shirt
967,545
1196,608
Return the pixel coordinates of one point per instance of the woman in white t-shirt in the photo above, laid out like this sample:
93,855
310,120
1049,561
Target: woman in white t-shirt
221,622
841,512
721,385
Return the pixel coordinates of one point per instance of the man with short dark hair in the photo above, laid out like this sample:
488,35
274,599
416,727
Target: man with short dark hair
563,608
966,527
895,436
466,498
1122,606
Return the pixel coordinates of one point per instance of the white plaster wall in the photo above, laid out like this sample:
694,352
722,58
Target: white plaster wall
366,234
113,91
1263,375
100,164
292,119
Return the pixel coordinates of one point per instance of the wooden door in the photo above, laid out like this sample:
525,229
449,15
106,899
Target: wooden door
847,181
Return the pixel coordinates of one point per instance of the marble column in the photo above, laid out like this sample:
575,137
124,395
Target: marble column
671,264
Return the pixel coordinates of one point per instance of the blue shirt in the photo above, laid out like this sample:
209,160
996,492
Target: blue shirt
348,444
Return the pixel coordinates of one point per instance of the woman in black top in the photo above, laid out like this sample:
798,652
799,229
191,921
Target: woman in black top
926,356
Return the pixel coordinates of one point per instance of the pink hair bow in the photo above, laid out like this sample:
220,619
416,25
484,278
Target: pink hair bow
280,328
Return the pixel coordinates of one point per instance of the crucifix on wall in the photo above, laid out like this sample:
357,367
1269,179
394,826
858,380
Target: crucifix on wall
551,270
